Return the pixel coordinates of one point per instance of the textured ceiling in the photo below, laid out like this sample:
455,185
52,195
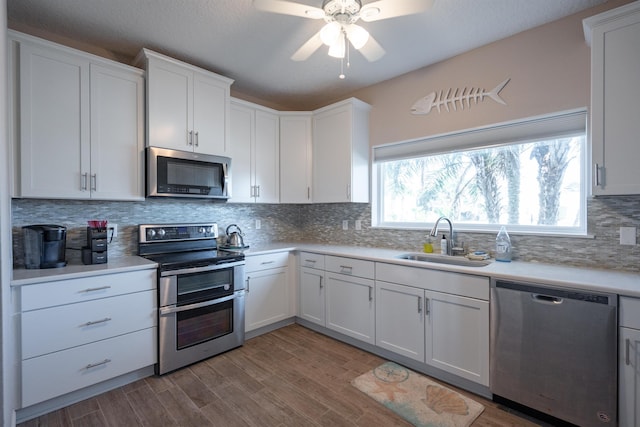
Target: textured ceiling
254,47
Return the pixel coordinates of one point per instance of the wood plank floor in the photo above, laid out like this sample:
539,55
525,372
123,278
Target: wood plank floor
289,377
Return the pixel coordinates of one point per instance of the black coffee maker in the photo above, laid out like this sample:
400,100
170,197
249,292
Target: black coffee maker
44,246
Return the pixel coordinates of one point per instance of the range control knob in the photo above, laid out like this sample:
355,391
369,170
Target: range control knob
151,233
161,232
202,230
209,230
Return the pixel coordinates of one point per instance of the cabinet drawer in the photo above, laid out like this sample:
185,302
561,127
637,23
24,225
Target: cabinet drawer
58,328
350,266
61,292
62,372
630,312
311,260
262,262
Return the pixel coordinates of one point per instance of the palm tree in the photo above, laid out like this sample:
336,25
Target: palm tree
553,158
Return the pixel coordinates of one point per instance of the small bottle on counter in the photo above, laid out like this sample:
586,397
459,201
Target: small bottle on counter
428,246
503,246
443,245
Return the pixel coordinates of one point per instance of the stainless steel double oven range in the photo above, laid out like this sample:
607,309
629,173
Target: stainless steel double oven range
200,292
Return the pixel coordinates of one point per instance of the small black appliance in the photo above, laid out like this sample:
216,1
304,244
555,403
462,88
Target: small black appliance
44,246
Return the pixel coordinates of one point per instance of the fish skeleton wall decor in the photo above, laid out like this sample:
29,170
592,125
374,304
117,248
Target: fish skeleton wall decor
451,101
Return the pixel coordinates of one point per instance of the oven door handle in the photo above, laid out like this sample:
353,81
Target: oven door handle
220,266
176,309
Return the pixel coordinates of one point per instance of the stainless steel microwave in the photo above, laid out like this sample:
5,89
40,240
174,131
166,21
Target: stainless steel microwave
174,173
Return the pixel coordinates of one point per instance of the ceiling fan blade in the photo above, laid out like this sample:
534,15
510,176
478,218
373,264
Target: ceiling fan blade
384,9
308,48
372,50
289,8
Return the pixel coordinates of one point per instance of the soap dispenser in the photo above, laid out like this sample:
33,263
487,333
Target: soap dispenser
443,245
503,246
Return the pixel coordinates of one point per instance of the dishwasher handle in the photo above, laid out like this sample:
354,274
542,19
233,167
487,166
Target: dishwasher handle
546,299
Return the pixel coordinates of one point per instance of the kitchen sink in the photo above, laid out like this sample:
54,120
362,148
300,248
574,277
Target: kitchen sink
443,259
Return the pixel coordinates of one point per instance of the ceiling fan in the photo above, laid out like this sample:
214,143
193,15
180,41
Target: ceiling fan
341,17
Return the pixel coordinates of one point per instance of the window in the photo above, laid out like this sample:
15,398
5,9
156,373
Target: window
528,175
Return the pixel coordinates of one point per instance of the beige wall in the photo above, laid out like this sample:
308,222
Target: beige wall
548,67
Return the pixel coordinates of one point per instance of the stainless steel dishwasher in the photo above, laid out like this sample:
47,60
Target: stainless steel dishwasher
555,350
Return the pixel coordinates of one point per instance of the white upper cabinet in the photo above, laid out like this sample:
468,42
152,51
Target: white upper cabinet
188,107
341,152
254,151
295,157
615,90
77,123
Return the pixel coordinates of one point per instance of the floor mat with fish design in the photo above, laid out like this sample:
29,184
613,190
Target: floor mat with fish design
417,399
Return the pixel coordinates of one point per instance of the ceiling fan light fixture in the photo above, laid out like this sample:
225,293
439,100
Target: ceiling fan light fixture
330,33
357,35
369,12
337,49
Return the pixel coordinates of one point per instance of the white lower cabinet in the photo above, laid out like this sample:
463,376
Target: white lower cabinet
629,365
350,303
399,319
311,305
267,290
449,331
62,372
79,332
457,335
350,306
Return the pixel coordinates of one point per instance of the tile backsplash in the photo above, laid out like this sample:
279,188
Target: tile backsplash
322,223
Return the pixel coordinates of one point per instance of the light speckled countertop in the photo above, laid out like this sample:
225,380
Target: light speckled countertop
623,283
611,281
24,276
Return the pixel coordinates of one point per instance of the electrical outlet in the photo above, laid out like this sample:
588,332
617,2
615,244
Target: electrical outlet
112,230
258,224
345,224
628,236
358,224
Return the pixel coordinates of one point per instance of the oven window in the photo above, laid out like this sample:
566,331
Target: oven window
204,324
203,286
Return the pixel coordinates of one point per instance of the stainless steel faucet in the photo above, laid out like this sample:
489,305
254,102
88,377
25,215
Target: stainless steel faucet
434,232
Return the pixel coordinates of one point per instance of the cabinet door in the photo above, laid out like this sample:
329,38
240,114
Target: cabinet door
400,319
615,109
241,136
332,155
54,123
266,157
295,158
170,105
210,100
351,306
117,146
629,378
267,298
457,335
312,296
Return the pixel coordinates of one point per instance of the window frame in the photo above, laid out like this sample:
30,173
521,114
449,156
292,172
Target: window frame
551,126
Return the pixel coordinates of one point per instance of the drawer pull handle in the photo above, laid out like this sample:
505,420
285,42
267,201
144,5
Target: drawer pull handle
370,293
626,353
95,322
321,285
247,282
426,307
267,262
419,304
101,288
312,261
94,365
346,269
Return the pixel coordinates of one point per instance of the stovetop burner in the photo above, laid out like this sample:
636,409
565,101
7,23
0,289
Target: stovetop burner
179,260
